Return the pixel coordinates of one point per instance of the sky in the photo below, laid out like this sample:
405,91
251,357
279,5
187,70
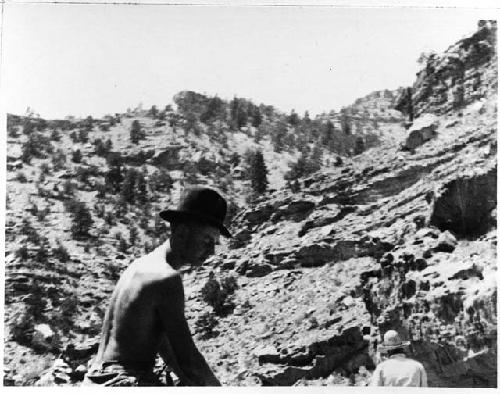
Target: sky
83,59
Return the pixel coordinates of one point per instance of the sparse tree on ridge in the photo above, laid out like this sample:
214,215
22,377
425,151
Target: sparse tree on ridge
256,117
153,112
345,123
306,119
258,173
293,119
278,137
135,132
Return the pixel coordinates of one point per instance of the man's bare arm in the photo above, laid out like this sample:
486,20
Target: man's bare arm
171,311
167,354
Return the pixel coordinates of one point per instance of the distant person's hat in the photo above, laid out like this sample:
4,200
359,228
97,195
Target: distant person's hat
392,340
200,204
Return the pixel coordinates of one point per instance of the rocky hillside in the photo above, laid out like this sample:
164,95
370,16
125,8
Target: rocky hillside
464,73
395,240
400,236
83,197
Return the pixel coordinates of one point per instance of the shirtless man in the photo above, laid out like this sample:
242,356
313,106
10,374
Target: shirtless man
146,313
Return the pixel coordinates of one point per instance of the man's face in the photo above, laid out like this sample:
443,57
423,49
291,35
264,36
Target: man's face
199,242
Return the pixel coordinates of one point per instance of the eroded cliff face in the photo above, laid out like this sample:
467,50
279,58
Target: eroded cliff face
393,240
464,73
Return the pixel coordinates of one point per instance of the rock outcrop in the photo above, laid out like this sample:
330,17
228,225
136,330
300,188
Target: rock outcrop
422,130
463,74
415,234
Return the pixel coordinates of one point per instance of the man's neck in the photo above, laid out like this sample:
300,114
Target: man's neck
173,258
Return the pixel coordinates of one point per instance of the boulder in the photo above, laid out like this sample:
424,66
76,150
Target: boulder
446,242
315,254
267,354
258,270
318,358
79,372
259,214
82,350
295,210
422,130
44,337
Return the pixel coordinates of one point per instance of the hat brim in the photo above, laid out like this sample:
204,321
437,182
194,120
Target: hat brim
172,215
391,347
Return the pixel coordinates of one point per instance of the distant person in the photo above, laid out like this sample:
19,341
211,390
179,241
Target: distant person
146,313
397,369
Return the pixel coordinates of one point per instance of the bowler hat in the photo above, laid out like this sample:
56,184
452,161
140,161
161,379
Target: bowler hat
392,340
200,204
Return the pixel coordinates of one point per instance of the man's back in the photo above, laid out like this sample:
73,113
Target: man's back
399,371
132,330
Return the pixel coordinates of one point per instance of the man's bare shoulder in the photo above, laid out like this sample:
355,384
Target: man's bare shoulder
155,269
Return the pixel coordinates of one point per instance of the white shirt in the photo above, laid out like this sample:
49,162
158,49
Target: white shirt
399,371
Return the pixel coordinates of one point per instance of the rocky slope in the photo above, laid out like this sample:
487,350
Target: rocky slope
465,72
391,238
393,241
57,283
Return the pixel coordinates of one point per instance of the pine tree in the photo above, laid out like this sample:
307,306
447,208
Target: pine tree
99,147
293,119
258,173
256,117
88,123
160,181
141,189
234,159
135,132
83,136
60,253
127,192
345,123
114,176
359,146
74,137
82,219
133,234
153,112
328,135
315,159
306,119
214,110
233,112
298,169
77,156
278,137
55,136
122,245
108,145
